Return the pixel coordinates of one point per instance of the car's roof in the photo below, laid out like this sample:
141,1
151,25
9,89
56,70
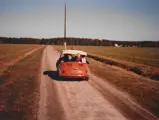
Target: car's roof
74,52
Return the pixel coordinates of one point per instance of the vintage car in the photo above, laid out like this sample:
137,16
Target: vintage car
72,64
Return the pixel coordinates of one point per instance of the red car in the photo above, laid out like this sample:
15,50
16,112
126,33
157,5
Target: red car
73,64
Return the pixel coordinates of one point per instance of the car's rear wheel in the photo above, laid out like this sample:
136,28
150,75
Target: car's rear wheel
86,79
58,75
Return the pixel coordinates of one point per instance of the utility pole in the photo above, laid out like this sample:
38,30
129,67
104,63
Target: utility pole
65,22
65,28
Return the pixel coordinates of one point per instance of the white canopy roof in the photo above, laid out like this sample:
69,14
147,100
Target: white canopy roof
74,52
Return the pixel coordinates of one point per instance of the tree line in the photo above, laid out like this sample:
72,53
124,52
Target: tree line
97,42
8,40
78,41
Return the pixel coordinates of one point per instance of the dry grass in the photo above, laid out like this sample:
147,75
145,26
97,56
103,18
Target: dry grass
19,88
144,91
147,56
11,51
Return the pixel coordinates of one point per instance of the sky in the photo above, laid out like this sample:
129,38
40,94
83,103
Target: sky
103,19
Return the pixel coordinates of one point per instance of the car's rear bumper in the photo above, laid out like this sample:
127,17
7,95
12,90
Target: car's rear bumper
75,76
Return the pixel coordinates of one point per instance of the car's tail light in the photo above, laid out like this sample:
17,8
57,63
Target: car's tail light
63,64
80,64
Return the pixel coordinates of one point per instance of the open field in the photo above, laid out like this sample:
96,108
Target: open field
19,89
10,52
147,56
26,93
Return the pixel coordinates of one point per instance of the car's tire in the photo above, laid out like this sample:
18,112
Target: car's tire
86,79
58,75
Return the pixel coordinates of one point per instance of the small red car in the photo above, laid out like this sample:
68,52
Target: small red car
73,64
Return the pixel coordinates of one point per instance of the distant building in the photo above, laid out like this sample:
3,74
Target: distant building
116,45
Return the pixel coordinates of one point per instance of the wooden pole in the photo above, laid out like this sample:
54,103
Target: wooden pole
65,22
65,28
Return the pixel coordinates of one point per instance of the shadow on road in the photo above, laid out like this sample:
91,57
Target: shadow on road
54,76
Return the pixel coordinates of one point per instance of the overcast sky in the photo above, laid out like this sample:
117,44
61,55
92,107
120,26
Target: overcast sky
104,19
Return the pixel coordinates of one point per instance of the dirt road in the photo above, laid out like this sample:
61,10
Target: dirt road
74,100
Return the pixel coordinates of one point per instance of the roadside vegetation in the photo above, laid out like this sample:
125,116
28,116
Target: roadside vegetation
19,89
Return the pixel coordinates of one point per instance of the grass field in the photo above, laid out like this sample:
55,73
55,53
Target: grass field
19,89
10,52
147,56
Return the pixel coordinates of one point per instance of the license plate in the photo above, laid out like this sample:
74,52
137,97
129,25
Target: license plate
75,68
